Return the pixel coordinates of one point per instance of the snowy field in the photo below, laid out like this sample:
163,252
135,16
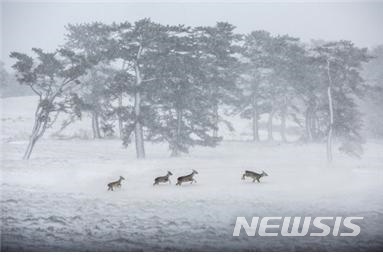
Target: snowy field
58,200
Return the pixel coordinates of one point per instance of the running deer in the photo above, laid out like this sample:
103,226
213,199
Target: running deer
164,179
254,175
187,178
116,184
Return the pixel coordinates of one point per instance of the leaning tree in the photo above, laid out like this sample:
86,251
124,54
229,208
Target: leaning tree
52,77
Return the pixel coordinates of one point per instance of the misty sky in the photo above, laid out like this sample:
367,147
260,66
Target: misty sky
33,24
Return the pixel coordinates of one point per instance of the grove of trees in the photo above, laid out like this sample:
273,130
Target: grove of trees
146,81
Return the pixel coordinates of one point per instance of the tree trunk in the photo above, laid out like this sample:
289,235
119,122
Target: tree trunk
283,125
255,116
93,127
311,121
96,126
175,150
308,125
329,135
270,126
314,127
139,141
331,110
41,122
31,145
120,97
138,130
120,124
216,121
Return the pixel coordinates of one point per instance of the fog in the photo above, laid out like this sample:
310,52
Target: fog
36,24
140,136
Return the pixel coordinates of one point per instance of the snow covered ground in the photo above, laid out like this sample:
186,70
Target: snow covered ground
58,200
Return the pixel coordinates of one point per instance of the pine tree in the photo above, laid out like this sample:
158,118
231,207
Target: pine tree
95,99
253,81
373,74
52,77
341,63
219,48
183,113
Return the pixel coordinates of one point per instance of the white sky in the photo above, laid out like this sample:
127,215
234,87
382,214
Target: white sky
41,24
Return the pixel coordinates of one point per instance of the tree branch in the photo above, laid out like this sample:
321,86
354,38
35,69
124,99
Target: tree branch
147,80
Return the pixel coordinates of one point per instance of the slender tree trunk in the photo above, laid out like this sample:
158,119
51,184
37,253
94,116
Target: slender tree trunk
96,126
93,127
216,121
120,98
314,123
308,125
314,127
331,110
138,130
175,151
283,119
33,139
139,141
330,130
270,126
283,125
39,127
31,145
120,124
255,116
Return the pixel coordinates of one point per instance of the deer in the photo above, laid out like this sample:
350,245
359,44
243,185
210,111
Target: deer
163,179
187,178
116,184
254,175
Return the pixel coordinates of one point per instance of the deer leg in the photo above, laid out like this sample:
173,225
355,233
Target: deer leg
258,181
